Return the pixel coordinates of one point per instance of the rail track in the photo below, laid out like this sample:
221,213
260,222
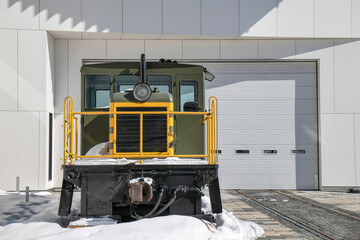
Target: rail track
315,218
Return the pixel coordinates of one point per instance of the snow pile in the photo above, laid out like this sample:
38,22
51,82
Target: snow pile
228,226
99,149
146,179
3,193
38,219
168,227
93,221
42,193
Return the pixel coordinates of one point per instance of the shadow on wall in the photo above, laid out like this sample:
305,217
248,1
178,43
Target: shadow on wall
86,13
252,12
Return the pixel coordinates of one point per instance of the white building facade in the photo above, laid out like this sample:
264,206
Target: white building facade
286,76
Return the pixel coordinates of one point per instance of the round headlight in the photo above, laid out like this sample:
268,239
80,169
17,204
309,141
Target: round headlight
142,92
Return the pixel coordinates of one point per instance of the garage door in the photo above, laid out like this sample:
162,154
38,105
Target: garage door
267,124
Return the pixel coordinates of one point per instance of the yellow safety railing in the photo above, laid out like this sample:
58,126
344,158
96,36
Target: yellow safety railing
210,118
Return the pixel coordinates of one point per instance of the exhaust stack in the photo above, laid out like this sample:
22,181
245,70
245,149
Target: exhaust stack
143,69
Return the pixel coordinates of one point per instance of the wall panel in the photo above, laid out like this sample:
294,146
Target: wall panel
142,17
8,69
296,18
181,17
337,150
201,49
346,70
32,70
332,18
167,49
19,150
235,49
220,18
125,49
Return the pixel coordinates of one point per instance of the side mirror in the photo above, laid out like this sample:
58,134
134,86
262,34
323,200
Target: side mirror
191,107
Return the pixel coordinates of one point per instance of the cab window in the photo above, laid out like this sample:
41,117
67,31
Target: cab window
161,82
188,92
125,82
97,91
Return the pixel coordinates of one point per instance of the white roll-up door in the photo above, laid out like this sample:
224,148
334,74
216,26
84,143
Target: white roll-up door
267,124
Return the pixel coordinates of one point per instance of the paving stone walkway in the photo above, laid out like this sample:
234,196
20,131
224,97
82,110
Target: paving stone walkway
346,201
280,229
233,202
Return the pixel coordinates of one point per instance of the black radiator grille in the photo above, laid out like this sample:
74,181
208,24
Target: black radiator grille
128,130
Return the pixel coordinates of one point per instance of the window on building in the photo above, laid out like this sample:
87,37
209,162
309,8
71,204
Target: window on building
97,91
188,92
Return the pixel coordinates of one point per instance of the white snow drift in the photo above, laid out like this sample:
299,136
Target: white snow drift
38,219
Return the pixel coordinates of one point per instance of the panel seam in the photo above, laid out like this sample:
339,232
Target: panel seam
277,21
122,18
201,28
182,49
355,167
39,142
162,18
106,48
81,22
39,12
67,67
351,19
334,78
220,49
239,28
17,70
313,18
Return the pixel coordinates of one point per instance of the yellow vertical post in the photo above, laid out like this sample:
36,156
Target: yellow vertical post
64,152
212,132
217,131
76,136
208,138
213,140
170,123
71,116
214,129
141,137
111,134
209,132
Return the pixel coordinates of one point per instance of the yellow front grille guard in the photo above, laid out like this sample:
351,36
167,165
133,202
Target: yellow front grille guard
210,118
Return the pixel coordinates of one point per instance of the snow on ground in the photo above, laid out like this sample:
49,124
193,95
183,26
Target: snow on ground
38,219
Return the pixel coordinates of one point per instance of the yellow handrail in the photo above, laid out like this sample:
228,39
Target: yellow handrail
210,118
68,131
213,106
